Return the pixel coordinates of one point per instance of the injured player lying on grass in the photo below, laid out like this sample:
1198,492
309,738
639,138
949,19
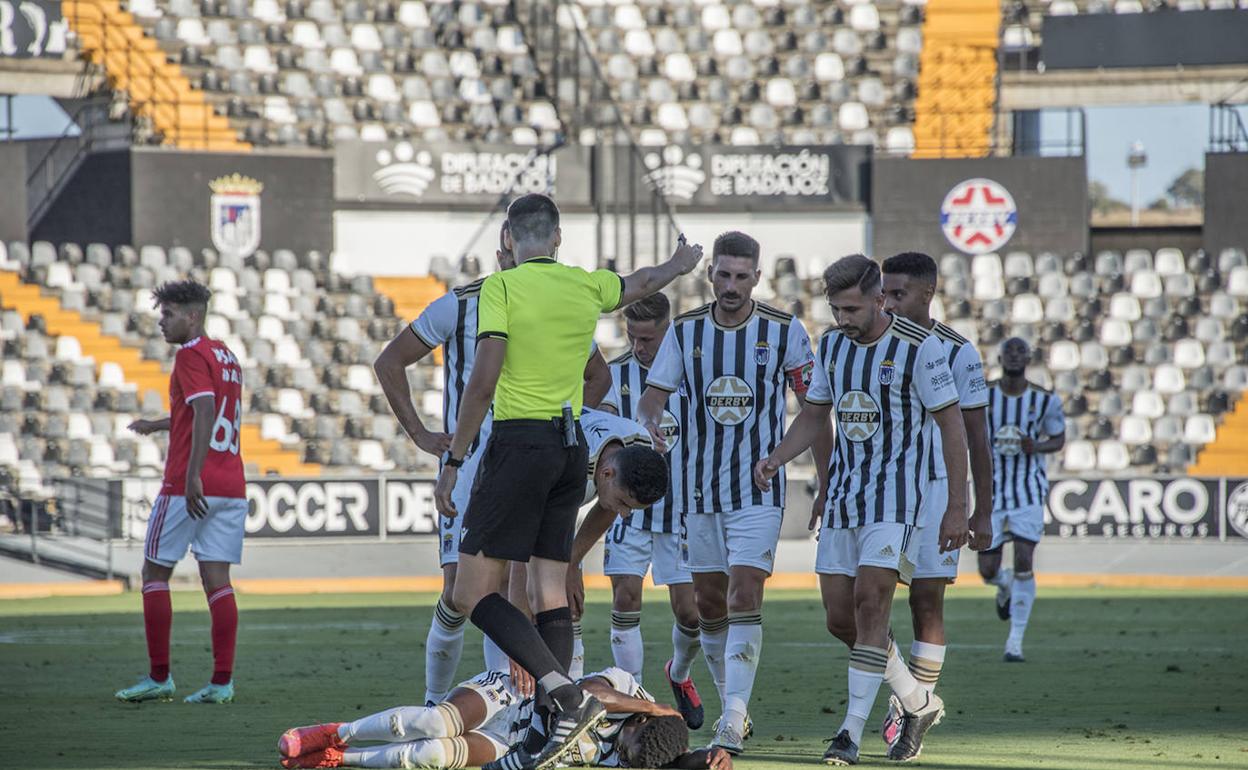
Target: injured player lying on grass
483,717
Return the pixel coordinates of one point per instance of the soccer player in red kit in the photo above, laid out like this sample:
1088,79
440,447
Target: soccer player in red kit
202,503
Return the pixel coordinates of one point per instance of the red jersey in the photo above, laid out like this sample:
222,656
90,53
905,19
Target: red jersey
206,367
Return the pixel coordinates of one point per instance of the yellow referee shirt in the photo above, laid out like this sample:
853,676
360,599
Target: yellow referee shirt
547,312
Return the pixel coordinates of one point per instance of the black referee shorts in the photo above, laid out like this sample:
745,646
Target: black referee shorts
527,492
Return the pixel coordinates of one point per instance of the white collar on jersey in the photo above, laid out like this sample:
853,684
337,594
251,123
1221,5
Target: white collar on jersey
190,342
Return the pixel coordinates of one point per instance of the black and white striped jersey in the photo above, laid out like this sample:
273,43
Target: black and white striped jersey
882,396
968,377
628,382
1021,480
731,384
451,321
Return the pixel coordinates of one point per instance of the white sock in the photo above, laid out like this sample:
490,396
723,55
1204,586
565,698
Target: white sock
577,669
903,684
926,661
714,640
495,658
1022,597
626,646
685,645
866,673
745,643
1001,579
443,648
405,723
432,754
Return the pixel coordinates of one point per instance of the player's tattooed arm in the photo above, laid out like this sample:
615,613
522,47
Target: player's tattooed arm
616,702
146,427
800,436
391,368
976,423
703,759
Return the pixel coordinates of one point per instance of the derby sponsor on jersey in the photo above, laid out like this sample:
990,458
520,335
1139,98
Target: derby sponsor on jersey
729,400
1135,508
858,415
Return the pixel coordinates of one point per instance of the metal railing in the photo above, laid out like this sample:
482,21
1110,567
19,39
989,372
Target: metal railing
1227,132
76,535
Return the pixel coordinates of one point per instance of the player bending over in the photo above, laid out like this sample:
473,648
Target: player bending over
202,502
484,716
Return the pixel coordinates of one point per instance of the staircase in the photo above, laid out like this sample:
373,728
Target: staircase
411,295
157,89
957,79
261,455
1227,454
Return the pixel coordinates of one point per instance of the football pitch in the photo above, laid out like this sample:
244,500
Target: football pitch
1114,679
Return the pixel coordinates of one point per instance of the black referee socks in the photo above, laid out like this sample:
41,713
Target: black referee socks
555,627
511,630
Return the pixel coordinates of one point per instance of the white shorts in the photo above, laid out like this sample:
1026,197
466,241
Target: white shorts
216,537
634,551
885,544
448,535
1026,523
715,542
929,562
505,718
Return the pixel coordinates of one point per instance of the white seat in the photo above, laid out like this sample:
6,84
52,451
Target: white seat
829,68
278,305
78,427
628,17
1134,430
852,116
987,288
276,281
13,374
222,280
68,349
1146,284
1128,6
744,136
270,328
984,265
111,375
678,68
101,457
900,139
273,428
1210,330
226,305
286,352
864,18
542,116
1059,309
59,275
217,327
1169,379
191,31
1115,332
413,14
382,88
1064,356
639,44
1063,8
148,455
8,451
716,17
671,117
364,37
144,9
258,59
424,114
344,62
1092,355
1148,403
1169,261
268,11
371,454
1237,284
1199,430
1027,309
1223,306
290,403
307,35
1189,354
1124,307
781,92
1112,456
727,42
361,379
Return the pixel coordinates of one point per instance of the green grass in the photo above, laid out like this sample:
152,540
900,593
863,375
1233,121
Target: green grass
1114,679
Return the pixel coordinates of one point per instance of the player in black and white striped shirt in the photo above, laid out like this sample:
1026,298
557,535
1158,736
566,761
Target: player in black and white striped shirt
886,378
1026,422
909,286
450,321
732,361
649,540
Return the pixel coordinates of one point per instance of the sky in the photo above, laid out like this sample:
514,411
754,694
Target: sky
1175,137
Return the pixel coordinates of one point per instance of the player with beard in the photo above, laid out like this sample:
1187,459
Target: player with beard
1026,422
731,363
886,378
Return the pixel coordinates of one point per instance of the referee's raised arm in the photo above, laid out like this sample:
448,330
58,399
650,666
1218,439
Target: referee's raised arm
535,326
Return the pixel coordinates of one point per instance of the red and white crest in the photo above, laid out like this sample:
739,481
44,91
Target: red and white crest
978,216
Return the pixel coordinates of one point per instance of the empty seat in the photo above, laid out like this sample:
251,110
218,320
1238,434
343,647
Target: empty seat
1115,333
1112,456
1168,378
1134,430
1189,354
1064,356
1199,430
1147,403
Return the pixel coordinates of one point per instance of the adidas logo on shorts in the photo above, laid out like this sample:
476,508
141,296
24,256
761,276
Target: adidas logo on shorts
949,562
767,555
887,551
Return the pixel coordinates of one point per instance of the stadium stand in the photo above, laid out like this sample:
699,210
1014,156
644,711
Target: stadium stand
1149,352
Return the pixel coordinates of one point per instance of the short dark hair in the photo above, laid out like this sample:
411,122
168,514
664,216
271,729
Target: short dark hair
735,243
660,740
186,292
657,307
643,471
532,217
853,270
915,264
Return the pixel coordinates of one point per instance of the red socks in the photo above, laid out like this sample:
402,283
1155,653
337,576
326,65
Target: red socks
158,621
224,611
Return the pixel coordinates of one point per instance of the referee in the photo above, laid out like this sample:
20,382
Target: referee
534,324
